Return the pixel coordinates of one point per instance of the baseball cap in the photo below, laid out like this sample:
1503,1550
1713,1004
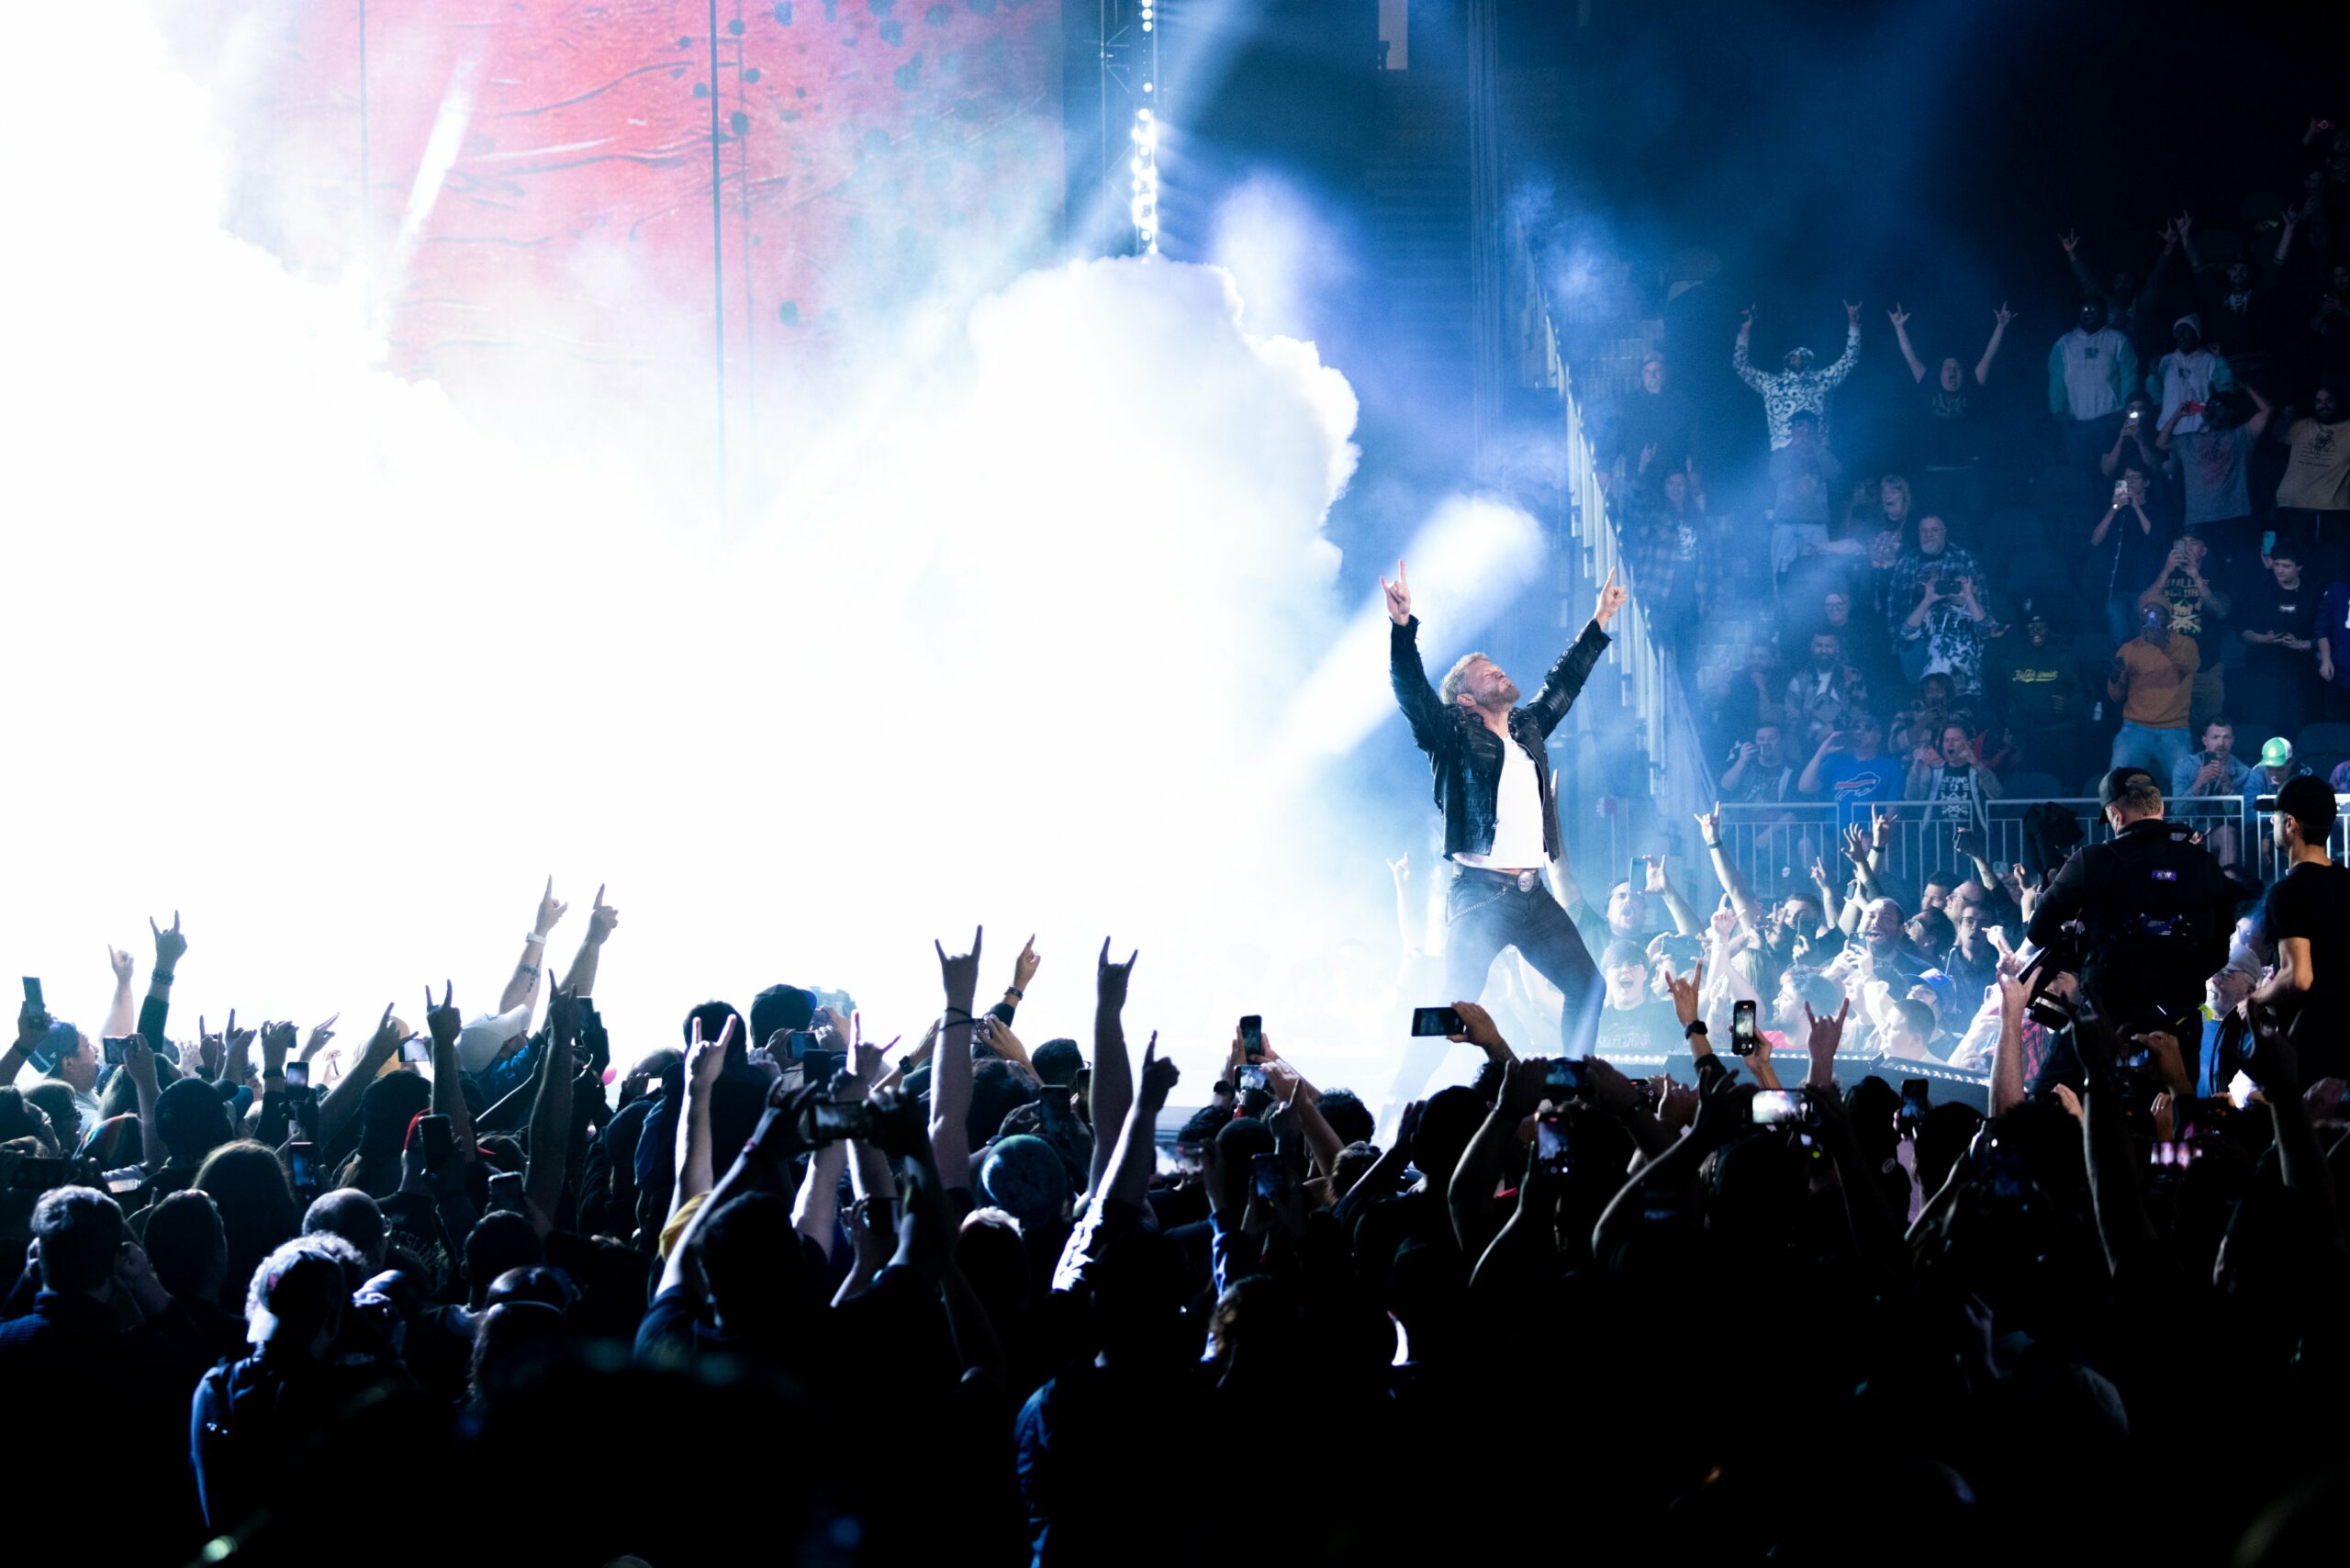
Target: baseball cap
2118,783
2308,800
2276,752
484,1036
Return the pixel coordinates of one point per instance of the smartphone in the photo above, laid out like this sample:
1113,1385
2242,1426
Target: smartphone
32,995
2175,1155
1252,1036
1567,1077
1268,1177
2135,413
1743,1040
117,1186
416,1050
297,1075
818,1067
1550,1141
1637,874
797,1043
1437,1021
2120,491
440,1142
1915,1101
506,1190
830,1121
1253,1078
302,1167
1778,1108
114,1044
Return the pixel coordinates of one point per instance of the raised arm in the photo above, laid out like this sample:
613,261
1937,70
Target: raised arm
155,1012
1561,687
696,1169
1470,1198
2261,411
1834,375
2081,274
1136,1152
550,1134
342,1100
1112,1091
122,1013
1738,362
602,920
1685,919
444,1023
1432,727
1999,319
1710,828
950,1069
523,985
1901,319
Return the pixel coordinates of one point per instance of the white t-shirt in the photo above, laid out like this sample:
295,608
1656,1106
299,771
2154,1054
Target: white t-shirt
1517,817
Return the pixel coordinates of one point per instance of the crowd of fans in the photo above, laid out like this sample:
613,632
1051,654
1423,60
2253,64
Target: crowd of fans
2168,554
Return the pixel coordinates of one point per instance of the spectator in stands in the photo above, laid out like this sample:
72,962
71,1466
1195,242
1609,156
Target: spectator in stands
2314,494
1759,769
1849,768
2214,769
2333,649
1670,550
2329,324
1947,625
2133,440
2131,547
1755,693
2184,379
2153,678
2279,619
2194,609
2239,305
1803,472
1826,694
2214,468
1950,418
1797,387
2091,370
1933,554
2308,916
1655,428
2038,683
2124,300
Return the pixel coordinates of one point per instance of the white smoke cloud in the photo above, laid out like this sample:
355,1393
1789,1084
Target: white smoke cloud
300,649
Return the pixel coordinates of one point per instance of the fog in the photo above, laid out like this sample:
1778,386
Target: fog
1040,628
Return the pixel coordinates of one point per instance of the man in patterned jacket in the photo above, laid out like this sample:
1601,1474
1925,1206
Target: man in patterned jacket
1799,385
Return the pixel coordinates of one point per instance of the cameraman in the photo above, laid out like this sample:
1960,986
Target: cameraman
2156,912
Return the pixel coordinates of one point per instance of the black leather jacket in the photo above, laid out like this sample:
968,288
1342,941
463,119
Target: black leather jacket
1465,756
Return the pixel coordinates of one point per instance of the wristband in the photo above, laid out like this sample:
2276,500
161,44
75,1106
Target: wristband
160,977
1693,1029
535,939
1014,992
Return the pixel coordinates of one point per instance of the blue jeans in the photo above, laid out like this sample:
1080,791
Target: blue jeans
2159,752
1487,912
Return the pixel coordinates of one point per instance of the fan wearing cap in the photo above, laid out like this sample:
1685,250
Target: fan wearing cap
2156,910
2039,676
2308,916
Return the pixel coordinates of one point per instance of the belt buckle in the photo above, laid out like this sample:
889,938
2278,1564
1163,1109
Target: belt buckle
1525,881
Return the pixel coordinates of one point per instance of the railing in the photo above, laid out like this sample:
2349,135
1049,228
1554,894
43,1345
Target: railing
1773,845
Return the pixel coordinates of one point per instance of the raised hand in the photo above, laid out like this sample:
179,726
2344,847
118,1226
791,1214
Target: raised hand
320,1035
1110,979
1853,311
169,945
1881,826
276,1042
2185,223
1686,990
2071,242
1709,827
139,1061
122,963
1478,1028
1897,316
1157,1078
550,909
1746,320
1612,596
1399,596
1655,879
2002,316
445,1022
999,1039
1856,844
1025,967
705,1060
601,917
960,973
1827,1033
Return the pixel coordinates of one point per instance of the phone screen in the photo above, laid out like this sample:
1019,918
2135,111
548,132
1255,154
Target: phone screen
1775,1107
1252,1036
1742,1037
1268,1178
1551,1140
32,993
302,1167
417,1049
297,1075
1437,1021
113,1045
440,1142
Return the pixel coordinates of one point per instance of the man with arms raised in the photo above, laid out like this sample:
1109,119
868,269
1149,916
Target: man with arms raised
1493,783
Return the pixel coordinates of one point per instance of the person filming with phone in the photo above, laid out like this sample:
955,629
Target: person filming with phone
1492,782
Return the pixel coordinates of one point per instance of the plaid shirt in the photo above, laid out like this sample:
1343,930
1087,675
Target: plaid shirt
1667,554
